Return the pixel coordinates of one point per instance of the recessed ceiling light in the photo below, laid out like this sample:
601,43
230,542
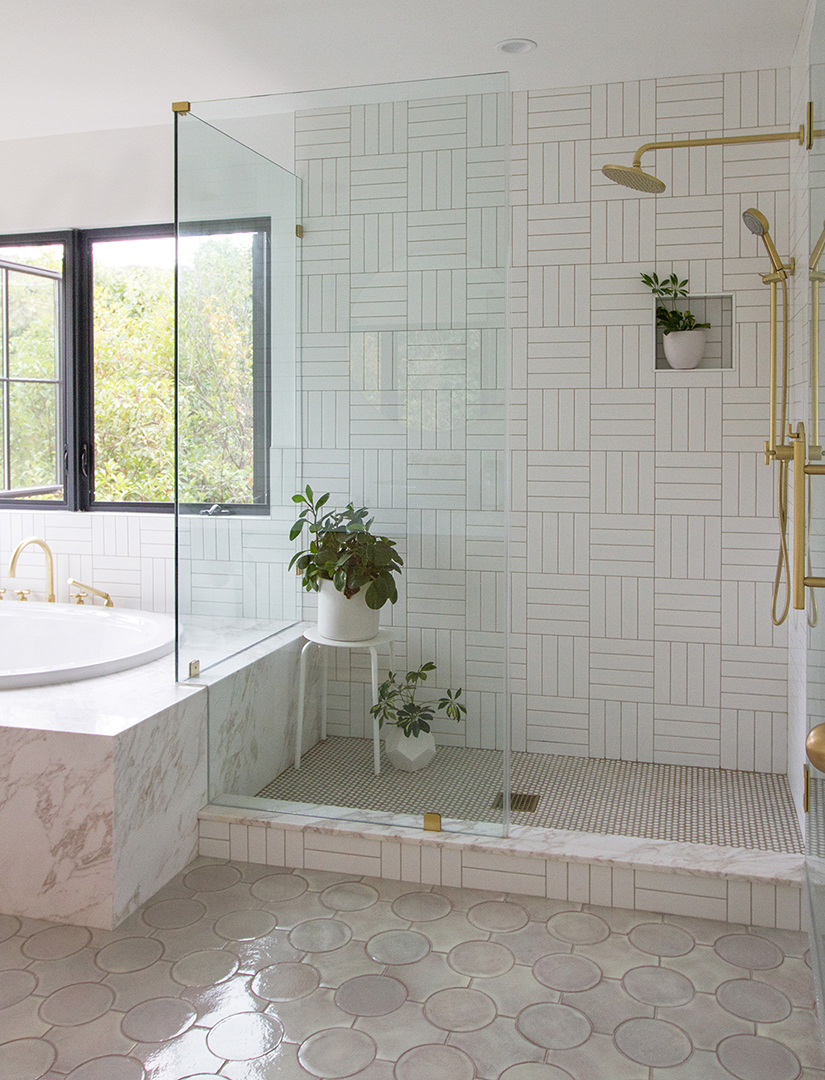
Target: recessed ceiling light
516,45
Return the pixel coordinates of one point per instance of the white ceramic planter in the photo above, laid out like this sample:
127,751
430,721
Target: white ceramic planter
684,349
342,619
409,754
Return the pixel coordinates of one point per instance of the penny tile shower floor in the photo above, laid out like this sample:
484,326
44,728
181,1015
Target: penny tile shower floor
242,971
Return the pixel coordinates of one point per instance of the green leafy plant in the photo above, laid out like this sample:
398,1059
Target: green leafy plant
344,551
669,318
397,705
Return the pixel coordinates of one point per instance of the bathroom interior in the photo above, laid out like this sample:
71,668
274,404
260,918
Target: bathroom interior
457,337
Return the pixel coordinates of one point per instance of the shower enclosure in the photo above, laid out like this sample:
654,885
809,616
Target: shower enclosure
392,291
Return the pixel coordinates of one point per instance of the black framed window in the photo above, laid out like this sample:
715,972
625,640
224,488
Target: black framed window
87,332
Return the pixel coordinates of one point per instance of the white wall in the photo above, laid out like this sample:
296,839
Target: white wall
95,179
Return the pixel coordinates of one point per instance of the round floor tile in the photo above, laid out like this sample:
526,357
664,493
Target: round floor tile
56,943
245,1035
14,986
111,1067
79,1003
498,916
754,1001
661,939
397,947
370,995
158,1020
753,1057
460,1009
555,1027
422,906
658,986
207,968
480,959
337,1052
530,1070
348,896
26,1059
245,925
129,954
319,935
433,1061
654,1043
212,878
9,925
577,927
279,887
173,914
285,981
749,951
561,971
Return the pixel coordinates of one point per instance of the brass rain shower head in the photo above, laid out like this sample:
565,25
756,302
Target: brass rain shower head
633,177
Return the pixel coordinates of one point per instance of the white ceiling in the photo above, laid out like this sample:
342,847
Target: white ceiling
89,65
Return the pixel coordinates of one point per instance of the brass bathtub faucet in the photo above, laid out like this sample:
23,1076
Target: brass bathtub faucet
90,589
49,563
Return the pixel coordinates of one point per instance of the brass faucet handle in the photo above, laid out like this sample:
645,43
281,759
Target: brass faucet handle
78,597
22,593
2,593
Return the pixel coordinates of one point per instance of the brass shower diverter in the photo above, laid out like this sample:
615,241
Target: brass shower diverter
815,747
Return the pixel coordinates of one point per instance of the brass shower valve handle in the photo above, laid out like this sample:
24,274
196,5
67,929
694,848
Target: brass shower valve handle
78,597
23,594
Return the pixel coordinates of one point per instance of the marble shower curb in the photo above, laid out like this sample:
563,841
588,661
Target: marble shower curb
708,881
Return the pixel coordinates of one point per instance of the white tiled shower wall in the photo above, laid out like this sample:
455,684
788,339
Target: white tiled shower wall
643,535
658,527
643,528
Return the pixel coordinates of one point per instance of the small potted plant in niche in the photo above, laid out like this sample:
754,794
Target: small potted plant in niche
349,567
683,337
409,743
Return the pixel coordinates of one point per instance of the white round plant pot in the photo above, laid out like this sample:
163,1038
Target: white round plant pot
684,349
343,619
409,754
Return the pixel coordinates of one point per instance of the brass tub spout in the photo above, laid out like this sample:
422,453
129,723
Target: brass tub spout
49,563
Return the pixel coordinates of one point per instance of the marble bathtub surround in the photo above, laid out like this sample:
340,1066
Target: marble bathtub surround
419,983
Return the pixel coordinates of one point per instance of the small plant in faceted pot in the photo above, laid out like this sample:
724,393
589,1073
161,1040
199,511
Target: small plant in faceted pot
343,556
410,745
686,349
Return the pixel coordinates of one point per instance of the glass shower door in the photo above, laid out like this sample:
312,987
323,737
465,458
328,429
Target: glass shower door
237,431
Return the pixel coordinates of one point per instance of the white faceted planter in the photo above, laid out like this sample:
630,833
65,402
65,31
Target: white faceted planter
342,619
409,754
684,349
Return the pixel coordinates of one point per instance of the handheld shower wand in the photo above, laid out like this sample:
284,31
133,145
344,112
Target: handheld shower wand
777,450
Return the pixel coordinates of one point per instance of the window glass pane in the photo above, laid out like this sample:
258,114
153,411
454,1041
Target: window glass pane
31,435
134,353
46,256
33,320
33,457
217,334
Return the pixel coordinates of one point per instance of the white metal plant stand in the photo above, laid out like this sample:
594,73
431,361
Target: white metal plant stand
383,637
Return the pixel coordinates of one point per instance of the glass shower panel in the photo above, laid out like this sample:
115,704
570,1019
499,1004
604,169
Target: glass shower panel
404,370
236,392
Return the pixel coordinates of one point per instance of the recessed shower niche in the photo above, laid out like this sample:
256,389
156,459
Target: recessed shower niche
717,309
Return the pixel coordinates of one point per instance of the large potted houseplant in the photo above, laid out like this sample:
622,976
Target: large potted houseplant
683,337
349,567
409,743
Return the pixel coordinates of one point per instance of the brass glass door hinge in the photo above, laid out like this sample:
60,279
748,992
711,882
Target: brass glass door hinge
432,822
299,231
181,106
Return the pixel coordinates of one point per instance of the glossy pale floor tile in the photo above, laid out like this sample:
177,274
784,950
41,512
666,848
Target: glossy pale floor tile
255,973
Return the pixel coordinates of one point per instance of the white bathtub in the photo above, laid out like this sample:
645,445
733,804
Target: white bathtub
56,643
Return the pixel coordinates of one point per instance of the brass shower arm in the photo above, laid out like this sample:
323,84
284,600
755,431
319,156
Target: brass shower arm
722,140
